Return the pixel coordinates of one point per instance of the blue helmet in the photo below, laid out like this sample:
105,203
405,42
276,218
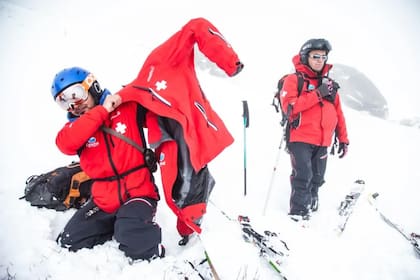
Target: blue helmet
71,76
66,78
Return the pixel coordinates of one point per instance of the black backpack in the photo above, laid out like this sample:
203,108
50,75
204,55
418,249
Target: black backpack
285,123
277,100
60,189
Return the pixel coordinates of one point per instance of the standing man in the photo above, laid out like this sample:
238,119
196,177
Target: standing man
315,118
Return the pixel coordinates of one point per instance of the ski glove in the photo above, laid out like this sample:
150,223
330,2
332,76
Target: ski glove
342,149
239,67
328,89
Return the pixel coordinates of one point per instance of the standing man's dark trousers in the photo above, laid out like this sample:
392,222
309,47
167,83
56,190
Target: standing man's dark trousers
132,226
309,163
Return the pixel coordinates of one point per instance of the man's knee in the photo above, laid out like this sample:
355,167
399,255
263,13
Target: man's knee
139,236
74,242
86,232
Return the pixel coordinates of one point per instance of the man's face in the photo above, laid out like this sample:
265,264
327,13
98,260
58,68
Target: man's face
75,99
82,107
316,59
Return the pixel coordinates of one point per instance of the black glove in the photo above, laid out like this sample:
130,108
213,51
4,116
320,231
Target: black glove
239,67
328,89
323,90
342,149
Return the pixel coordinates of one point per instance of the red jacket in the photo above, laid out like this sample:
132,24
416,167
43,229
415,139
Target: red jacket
167,85
104,156
318,118
175,92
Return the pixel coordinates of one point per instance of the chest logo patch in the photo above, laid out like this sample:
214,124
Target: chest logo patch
92,143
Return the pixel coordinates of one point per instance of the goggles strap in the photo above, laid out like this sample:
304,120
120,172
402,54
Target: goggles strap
88,82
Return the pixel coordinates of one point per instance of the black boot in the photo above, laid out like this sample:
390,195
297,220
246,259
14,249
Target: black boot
184,240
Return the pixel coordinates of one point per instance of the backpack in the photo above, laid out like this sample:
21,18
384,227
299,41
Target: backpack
60,189
277,100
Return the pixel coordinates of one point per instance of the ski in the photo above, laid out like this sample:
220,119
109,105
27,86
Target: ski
264,242
413,238
348,204
204,268
263,259
197,262
188,269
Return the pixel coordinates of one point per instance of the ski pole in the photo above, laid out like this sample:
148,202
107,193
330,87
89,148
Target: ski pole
245,116
284,123
222,212
273,175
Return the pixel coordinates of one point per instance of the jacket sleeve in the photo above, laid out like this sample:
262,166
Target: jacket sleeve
341,130
180,46
214,45
75,134
290,96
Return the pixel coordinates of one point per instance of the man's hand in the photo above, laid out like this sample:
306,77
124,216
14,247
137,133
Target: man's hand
328,89
342,149
323,90
111,102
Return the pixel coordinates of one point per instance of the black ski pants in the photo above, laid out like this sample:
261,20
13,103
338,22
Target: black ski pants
309,163
132,225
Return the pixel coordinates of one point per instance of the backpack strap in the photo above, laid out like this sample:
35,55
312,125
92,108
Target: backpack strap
301,82
123,137
149,155
141,119
74,192
141,114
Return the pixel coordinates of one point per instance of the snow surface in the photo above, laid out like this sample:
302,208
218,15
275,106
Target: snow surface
112,39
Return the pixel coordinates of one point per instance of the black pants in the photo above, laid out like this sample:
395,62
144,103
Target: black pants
309,163
132,225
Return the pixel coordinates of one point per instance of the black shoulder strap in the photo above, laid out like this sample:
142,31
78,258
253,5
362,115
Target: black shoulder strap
301,82
123,137
141,119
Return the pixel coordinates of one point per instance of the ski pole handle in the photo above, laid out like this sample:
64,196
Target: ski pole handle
245,116
245,113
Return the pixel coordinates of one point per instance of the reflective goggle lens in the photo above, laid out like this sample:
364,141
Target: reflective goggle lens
72,96
318,56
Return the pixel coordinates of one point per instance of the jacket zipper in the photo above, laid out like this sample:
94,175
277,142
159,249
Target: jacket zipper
204,114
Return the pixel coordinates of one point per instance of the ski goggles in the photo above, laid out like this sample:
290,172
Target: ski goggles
318,56
75,94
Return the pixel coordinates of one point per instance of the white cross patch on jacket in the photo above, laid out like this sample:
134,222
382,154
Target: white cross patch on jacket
121,128
161,85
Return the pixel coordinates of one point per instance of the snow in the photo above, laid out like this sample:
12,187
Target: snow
112,39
